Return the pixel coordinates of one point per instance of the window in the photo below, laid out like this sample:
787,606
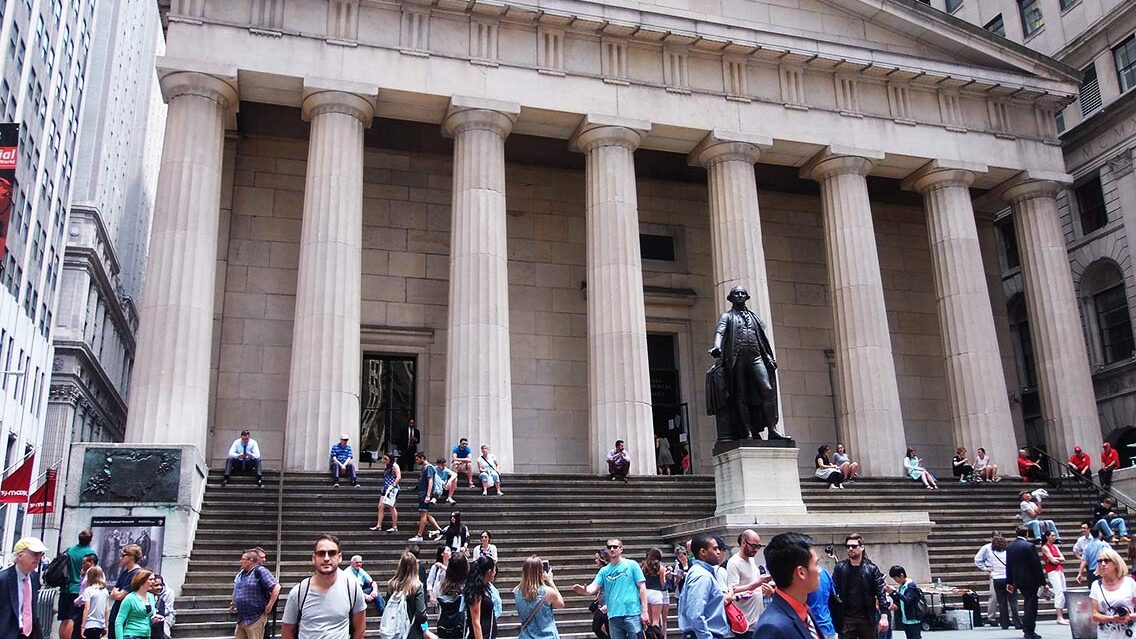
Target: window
657,247
1020,332
1125,55
996,26
1065,4
953,5
1090,95
1090,205
1060,119
1009,242
1103,289
1031,16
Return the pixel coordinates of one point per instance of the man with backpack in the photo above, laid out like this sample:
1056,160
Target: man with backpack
65,572
860,585
908,603
254,596
427,482
328,605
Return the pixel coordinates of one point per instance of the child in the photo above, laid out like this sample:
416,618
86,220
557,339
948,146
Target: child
907,598
96,596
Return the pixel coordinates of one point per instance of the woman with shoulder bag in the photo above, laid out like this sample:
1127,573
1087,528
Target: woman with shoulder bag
481,622
407,583
536,596
391,476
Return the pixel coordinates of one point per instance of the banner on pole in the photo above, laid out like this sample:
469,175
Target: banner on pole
14,489
42,501
9,151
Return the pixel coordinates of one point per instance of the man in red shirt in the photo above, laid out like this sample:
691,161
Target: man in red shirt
1110,461
1028,469
1081,463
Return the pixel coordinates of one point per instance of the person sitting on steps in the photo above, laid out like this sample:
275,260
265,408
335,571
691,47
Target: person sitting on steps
618,462
487,467
244,455
342,462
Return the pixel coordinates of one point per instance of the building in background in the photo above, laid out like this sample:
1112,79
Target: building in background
1098,211
115,179
45,47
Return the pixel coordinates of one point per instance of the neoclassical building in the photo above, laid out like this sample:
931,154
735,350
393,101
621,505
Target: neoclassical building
518,222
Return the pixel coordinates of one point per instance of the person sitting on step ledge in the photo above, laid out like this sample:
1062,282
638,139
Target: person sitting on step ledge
1030,510
1105,519
447,480
618,462
244,455
463,460
987,470
1081,463
487,467
1029,469
342,461
960,466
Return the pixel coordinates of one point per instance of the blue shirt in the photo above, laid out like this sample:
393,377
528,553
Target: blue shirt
818,605
428,471
700,606
620,583
543,625
341,452
1092,552
462,452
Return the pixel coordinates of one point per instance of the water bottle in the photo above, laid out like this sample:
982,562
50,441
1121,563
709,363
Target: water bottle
939,582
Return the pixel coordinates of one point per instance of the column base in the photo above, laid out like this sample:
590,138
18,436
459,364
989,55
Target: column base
164,483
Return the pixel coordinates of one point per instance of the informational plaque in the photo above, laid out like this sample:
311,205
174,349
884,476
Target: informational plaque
138,475
111,534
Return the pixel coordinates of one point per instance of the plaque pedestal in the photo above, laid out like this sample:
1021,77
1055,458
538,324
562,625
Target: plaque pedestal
758,480
161,482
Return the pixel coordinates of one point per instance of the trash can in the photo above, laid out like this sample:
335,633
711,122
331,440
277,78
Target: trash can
1080,609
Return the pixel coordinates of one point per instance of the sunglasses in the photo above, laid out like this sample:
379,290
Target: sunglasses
613,546
759,545
326,553
852,546
1104,560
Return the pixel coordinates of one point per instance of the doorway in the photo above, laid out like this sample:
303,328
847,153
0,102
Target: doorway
389,396
668,411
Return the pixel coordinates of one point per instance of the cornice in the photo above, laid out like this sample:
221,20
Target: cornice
91,364
87,259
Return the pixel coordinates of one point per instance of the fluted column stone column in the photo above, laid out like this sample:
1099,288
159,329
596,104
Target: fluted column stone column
619,388
169,394
1068,404
865,371
976,385
735,220
325,376
479,397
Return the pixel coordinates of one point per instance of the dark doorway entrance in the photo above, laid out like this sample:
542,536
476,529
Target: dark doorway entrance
667,408
389,396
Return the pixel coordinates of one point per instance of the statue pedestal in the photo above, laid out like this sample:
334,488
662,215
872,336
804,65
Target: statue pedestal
758,480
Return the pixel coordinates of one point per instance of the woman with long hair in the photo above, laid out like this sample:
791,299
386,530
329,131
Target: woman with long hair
456,535
913,467
1054,563
96,597
1113,595
407,583
826,471
438,572
485,549
1007,601
478,593
657,597
133,620
844,462
448,594
391,476
535,597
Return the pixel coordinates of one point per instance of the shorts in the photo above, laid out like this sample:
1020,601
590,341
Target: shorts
66,607
423,503
656,597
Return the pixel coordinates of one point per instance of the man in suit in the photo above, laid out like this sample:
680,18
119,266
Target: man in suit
1024,575
796,570
19,587
406,440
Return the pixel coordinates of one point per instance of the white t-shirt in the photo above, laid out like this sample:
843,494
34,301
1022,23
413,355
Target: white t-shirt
739,572
326,615
1112,602
96,599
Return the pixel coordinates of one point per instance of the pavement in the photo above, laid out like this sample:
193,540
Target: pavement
1047,630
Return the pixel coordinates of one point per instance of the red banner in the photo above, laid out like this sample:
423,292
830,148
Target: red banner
9,151
14,488
42,500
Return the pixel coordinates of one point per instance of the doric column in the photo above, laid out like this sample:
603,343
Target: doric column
323,385
169,395
1068,404
865,371
735,219
976,386
479,397
619,389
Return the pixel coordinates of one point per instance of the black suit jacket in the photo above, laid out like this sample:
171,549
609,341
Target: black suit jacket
780,621
1023,566
10,604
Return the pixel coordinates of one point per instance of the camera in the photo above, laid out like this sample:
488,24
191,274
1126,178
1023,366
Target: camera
545,567
828,551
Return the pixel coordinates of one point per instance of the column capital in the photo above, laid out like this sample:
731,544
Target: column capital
175,84
608,130
1028,185
938,174
465,114
840,160
724,146
320,102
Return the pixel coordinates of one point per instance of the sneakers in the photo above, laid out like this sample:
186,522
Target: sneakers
224,482
392,529
833,487
450,500
417,539
356,484
434,534
335,485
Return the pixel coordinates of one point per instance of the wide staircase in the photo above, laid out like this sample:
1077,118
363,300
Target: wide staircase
564,519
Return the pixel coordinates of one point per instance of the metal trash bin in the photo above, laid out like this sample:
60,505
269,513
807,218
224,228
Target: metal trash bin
1080,609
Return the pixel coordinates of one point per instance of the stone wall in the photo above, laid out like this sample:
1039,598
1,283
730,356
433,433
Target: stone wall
405,271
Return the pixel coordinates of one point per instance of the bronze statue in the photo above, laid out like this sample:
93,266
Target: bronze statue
741,387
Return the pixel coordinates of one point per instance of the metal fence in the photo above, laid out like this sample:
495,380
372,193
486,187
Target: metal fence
45,609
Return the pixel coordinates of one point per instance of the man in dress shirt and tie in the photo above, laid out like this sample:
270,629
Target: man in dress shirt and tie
243,455
19,587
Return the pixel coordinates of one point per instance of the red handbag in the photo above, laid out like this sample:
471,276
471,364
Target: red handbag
736,618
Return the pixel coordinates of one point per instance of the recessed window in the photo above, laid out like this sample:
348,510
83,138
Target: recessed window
1090,95
1114,324
997,25
1090,203
1009,242
657,247
1065,4
953,5
1125,55
1032,19
1060,119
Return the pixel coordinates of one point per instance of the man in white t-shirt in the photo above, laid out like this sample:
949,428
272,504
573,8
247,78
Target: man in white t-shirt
747,583
327,605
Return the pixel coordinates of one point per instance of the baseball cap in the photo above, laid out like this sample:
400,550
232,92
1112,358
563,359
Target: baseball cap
1107,445
1076,449
343,436
31,544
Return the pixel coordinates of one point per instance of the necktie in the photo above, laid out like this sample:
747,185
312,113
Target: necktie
812,627
26,612
246,448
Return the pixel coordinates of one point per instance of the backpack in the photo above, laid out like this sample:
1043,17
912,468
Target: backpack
921,608
305,586
395,623
451,620
58,572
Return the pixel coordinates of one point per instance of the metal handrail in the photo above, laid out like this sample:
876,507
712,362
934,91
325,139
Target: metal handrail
1117,497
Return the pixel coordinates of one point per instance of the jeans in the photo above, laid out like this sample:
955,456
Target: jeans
1007,605
1035,527
335,471
1105,476
627,627
618,470
1106,526
856,628
242,465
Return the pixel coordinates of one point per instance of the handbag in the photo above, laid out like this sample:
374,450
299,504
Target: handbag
737,618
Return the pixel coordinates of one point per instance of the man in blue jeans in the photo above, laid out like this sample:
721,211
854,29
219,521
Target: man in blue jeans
625,591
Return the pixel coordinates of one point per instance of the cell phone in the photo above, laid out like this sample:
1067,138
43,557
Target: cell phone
545,567
762,570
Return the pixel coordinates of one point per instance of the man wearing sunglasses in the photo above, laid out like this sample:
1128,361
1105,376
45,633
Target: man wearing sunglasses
328,605
625,591
747,581
860,584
